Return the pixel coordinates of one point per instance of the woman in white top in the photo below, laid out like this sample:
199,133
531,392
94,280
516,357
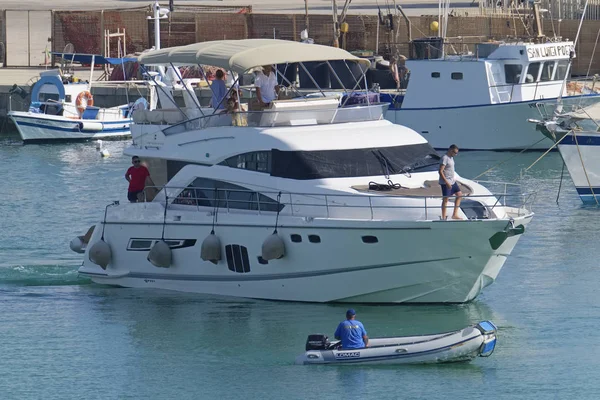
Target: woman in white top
266,86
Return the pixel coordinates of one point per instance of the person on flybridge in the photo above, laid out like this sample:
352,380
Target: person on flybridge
267,88
448,182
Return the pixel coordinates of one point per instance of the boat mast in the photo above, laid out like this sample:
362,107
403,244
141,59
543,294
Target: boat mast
159,13
539,32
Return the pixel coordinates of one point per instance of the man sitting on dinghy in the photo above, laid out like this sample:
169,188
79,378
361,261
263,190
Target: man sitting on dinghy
351,332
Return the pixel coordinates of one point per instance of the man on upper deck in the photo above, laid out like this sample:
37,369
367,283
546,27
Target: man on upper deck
136,175
267,88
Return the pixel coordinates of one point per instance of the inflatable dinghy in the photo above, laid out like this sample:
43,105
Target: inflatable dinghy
462,345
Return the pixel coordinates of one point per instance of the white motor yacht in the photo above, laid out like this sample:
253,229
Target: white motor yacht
305,201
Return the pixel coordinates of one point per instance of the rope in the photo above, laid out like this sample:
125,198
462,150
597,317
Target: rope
384,186
590,117
584,170
508,159
562,173
546,152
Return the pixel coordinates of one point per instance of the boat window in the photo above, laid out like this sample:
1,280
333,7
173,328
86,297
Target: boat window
456,75
512,73
561,70
547,71
67,98
532,72
254,161
435,74
314,238
205,192
237,258
44,97
139,244
379,161
370,239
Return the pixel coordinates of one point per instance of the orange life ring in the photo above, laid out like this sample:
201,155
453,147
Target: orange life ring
89,101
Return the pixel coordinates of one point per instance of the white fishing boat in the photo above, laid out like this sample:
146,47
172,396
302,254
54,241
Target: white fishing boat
575,131
478,340
62,107
576,135
287,202
482,100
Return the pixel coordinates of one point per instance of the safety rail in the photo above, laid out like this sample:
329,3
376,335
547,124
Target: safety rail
574,87
314,205
283,117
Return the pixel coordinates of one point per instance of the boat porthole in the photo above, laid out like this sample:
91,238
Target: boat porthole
296,238
370,239
314,238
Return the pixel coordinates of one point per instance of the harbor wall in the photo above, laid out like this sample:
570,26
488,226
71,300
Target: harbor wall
83,31
27,36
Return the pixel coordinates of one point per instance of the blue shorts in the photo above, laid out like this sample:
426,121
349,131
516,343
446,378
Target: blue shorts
447,192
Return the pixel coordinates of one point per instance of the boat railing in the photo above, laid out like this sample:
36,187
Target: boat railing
574,87
273,118
319,205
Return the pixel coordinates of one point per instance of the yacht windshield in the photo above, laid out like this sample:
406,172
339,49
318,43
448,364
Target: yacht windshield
354,162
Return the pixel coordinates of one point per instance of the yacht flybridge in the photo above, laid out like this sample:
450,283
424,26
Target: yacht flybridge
309,200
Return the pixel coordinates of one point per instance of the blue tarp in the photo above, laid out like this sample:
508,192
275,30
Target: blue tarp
87,58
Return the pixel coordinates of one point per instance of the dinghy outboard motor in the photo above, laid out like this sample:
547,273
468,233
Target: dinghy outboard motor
317,342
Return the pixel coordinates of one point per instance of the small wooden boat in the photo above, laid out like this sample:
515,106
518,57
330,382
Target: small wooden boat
462,345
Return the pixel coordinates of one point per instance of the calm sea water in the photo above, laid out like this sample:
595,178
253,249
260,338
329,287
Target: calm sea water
62,337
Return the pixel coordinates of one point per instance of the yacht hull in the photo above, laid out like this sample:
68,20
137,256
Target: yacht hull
47,128
411,262
502,126
582,159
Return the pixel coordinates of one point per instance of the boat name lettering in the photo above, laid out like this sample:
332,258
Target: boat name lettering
549,51
353,354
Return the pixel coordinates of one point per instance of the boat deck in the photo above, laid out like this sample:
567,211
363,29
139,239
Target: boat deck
430,188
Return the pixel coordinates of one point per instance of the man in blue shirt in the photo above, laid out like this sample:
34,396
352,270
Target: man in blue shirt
219,91
352,332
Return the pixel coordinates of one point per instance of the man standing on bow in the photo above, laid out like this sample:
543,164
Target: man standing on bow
448,182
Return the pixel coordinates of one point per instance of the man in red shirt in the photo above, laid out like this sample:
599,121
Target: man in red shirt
136,176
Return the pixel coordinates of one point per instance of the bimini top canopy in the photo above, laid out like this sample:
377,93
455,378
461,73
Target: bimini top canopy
241,55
